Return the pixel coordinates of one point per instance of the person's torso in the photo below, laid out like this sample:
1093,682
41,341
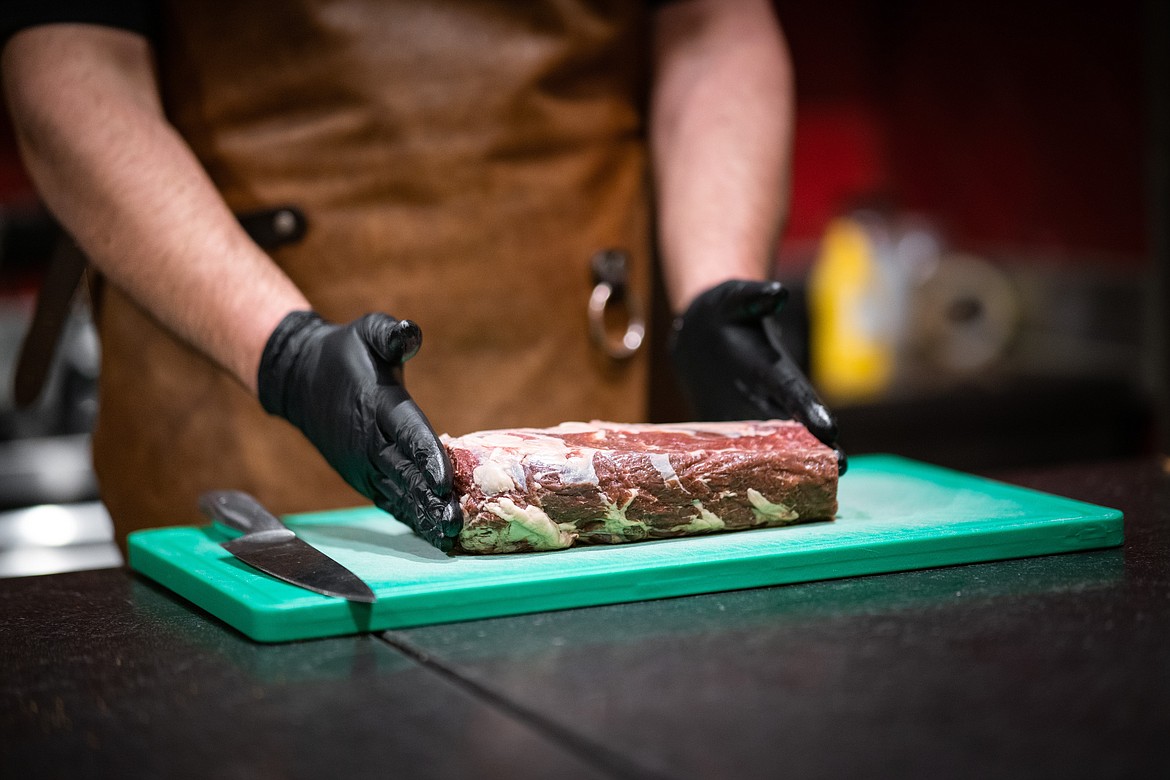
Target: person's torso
459,163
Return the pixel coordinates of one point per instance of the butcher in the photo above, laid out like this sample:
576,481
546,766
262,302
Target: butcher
490,173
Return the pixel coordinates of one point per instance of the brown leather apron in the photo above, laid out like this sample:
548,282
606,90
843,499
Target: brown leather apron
458,162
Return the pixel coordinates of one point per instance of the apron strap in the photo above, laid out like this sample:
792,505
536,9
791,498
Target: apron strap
269,228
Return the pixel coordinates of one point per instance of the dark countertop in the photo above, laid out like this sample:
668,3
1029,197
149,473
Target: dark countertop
1051,666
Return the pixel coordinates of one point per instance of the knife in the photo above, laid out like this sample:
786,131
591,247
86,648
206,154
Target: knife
272,547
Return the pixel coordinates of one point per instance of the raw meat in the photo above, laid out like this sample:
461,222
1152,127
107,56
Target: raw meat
529,489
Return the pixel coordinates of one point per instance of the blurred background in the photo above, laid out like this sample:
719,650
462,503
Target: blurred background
976,252
976,241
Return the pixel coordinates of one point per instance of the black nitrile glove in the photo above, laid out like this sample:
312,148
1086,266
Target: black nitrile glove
342,386
727,350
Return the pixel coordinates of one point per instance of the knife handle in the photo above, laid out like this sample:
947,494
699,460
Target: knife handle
240,511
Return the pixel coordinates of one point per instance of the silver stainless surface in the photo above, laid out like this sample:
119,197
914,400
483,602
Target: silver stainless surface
45,447
50,518
270,546
55,538
47,469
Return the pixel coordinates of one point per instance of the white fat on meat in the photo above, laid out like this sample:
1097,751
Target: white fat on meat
529,524
766,510
661,463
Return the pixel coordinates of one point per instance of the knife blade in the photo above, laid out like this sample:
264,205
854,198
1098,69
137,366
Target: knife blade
272,547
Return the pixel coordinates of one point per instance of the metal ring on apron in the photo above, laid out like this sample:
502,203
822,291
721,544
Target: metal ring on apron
610,273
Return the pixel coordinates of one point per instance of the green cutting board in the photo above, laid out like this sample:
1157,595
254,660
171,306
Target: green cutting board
895,514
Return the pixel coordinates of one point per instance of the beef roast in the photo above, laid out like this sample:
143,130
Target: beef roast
528,489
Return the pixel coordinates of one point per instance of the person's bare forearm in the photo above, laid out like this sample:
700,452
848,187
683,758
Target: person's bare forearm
720,132
93,137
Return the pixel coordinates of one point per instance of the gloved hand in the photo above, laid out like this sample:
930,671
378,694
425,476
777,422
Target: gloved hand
728,353
342,386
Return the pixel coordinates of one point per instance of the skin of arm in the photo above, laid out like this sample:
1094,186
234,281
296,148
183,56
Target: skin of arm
721,125
85,105
84,102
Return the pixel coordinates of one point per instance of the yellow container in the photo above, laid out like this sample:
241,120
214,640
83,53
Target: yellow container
852,338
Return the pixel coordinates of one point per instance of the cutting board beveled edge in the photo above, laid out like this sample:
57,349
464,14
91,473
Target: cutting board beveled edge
895,515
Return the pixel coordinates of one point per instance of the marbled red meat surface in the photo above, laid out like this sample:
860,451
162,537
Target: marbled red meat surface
531,489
